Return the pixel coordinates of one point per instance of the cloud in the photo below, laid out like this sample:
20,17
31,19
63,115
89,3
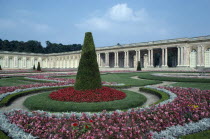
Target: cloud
121,12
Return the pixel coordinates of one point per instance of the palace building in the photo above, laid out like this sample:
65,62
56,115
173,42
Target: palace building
173,54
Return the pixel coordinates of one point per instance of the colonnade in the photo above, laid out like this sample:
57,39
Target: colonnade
177,53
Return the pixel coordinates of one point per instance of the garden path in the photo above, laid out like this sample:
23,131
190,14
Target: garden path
17,103
150,97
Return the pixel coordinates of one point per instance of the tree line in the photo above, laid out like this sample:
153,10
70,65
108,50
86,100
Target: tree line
33,46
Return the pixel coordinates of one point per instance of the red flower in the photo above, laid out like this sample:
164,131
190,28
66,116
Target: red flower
75,124
86,127
91,121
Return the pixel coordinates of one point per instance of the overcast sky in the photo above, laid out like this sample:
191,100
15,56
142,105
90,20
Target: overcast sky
110,21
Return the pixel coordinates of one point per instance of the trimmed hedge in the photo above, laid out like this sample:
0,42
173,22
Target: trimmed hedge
8,99
43,102
38,67
88,75
163,96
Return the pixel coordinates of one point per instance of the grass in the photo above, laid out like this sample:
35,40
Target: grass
43,102
147,75
121,78
8,99
199,135
16,81
3,135
202,86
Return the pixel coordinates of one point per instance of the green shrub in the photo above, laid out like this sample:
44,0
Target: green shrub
38,67
34,68
8,99
88,75
139,66
43,102
163,96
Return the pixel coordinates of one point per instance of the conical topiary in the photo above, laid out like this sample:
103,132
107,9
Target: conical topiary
139,66
0,67
38,67
88,75
34,67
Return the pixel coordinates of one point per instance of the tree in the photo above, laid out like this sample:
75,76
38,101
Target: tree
0,67
139,66
34,67
38,67
88,75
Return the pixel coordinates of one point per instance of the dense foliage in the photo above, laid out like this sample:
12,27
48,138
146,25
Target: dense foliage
98,95
139,66
88,75
38,67
33,46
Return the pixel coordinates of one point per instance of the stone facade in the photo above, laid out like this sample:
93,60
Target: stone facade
183,53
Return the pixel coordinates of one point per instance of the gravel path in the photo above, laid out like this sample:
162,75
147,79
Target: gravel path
17,103
150,97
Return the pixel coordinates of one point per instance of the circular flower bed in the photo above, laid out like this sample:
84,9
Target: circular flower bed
98,95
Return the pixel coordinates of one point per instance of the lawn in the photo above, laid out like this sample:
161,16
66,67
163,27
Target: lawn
202,86
16,81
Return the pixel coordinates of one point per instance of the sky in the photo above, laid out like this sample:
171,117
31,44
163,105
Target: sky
110,21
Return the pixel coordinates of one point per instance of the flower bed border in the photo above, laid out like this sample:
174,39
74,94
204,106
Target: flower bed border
170,132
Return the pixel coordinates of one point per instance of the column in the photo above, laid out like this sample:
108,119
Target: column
24,62
152,58
15,61
117,59
166,57
99,60
125,57
178,56
149,57
6,61
187,56
139,55
202,56
107,59
163,57
181,56
199,56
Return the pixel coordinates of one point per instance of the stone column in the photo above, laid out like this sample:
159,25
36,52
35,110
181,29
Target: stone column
15,61
152,60
117,59
199,56
149,58
178,56
182,56
107,59
163,57
99,59
202,56
166,57
24,62
6,61
187,56
125,57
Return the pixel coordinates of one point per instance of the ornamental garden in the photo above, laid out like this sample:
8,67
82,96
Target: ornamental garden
88,103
